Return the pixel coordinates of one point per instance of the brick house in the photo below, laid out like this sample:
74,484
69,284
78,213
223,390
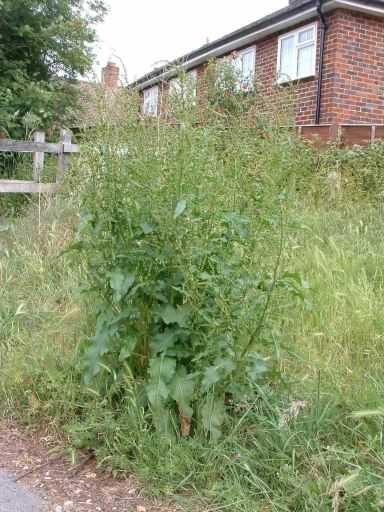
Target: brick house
331,50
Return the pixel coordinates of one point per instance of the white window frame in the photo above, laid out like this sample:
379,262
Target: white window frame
151,101
243,85
298,46
195,77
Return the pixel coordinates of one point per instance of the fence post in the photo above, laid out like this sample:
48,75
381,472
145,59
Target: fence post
65,138
38,158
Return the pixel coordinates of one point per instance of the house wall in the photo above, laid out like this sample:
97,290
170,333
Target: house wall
353,80
303,93
354,87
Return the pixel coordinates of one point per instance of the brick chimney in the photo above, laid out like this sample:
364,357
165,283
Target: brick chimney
110,76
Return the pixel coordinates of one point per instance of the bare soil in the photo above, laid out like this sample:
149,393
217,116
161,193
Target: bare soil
32,460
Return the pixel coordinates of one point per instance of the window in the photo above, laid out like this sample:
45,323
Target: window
184,87
244,63
151,100
192,77
297,54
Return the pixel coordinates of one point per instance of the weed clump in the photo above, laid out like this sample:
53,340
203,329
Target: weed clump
226,345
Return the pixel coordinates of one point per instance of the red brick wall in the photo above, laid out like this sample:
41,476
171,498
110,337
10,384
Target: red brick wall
353,80
110,75
354,69
353,86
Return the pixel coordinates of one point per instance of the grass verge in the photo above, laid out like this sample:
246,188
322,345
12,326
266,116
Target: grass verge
310,439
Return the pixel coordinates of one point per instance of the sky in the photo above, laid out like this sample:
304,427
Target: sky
144,33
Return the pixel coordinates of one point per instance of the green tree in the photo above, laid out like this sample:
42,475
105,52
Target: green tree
44,46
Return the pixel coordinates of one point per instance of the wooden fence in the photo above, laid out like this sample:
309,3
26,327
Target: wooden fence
63,149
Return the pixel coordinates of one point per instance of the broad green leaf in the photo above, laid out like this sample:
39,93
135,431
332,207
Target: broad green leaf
172,315
106,329
127,348
157,392
213,416
161,371
164,340
162,368
99,348
211,377
182,389
180,208
120,284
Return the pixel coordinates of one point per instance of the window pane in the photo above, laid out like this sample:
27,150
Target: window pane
305,61
287,58
248,68
151,100
306,35
238,66
192,81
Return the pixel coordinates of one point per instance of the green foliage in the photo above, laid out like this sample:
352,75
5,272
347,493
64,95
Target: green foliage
224,89
44,45
172,235
233,293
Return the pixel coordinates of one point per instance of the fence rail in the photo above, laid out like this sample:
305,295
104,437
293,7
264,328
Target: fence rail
63,149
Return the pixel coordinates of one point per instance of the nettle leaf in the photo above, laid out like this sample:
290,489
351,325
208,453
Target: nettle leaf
213,416
128,347
172,315
182,388
180,208
211,377
121,284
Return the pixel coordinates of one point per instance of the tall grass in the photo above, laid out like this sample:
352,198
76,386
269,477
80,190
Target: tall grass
308,433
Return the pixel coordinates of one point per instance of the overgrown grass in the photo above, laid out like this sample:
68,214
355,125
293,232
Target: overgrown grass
309,434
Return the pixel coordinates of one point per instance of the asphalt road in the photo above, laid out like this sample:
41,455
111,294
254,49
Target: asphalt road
13,498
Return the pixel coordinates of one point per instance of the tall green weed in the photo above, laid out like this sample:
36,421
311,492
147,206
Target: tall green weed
231,290
182,231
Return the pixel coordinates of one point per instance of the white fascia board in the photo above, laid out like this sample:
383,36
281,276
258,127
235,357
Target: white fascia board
355,6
